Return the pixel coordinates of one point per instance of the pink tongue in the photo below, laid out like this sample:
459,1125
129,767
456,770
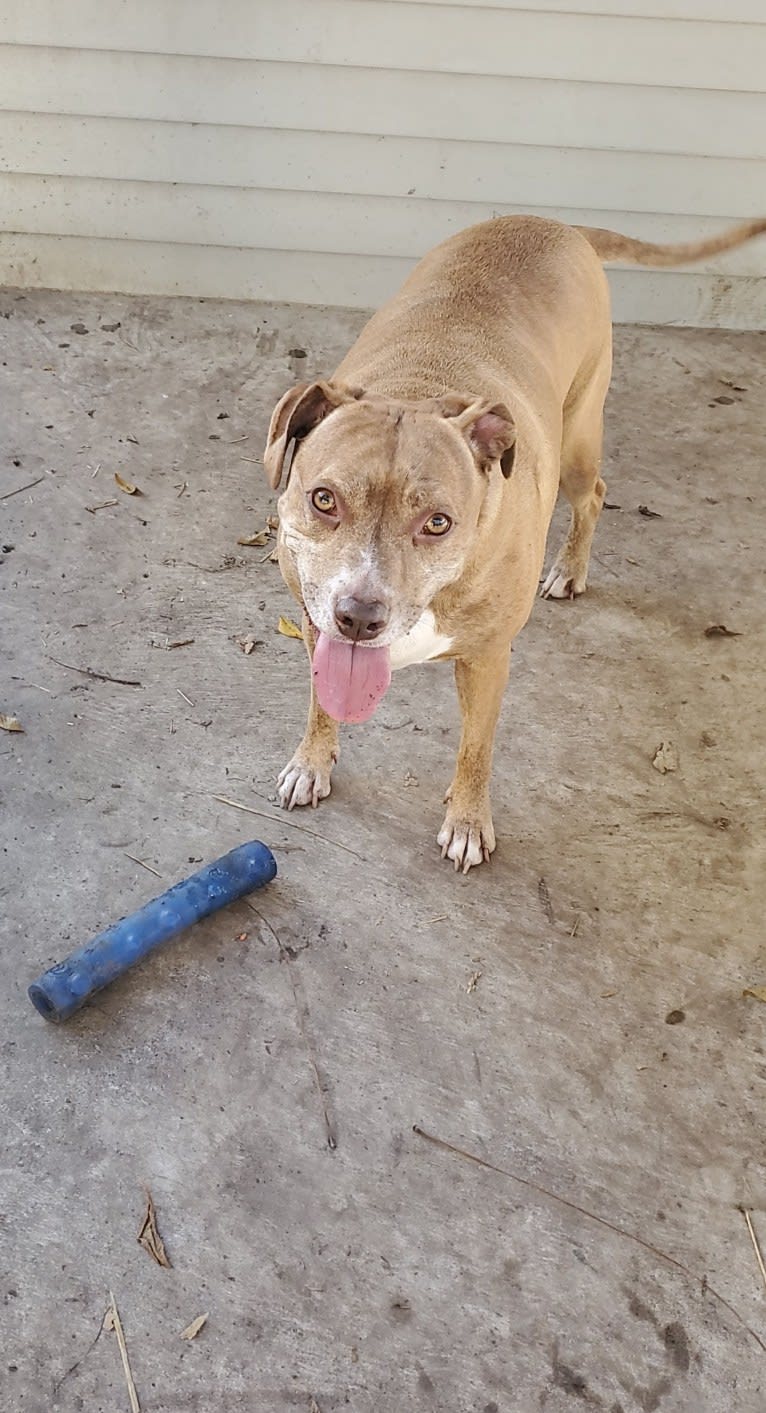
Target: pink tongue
350,680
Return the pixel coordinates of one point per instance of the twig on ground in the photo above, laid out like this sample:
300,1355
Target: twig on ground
102,505
606,566
592,1217
73,1367
756,1246
19,489
302,1010
147,866
113,1315
99,676
288,824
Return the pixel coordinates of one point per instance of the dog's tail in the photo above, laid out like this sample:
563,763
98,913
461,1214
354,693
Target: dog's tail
609,245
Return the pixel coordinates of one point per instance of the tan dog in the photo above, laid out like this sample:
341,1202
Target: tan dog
425,474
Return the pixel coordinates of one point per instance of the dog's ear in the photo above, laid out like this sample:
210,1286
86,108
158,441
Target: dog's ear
295,415
488,427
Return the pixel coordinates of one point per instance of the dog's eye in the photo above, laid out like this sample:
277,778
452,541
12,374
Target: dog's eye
323,501
437,524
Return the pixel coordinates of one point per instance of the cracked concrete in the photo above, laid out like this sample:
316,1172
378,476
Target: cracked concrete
573,1015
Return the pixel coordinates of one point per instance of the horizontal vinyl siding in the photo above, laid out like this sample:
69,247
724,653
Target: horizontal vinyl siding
274,146
354,281
590,48
279,220
393,103
367,165
738,12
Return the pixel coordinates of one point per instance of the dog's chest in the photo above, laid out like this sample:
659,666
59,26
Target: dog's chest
421,643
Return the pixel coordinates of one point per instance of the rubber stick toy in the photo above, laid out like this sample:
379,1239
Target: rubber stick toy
64,988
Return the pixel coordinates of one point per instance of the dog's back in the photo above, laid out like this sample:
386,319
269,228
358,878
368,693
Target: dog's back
517,292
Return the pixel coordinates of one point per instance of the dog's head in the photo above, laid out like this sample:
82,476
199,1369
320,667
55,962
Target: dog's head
379,514
383,500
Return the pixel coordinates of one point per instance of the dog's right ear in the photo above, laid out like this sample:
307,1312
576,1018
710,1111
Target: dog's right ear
295,415
488,427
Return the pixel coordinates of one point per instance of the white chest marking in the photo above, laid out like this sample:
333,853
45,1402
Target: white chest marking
421,643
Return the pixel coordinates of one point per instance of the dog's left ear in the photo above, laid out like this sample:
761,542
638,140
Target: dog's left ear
295,415
489,429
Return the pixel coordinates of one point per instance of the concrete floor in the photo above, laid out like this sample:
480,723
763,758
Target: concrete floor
608,1266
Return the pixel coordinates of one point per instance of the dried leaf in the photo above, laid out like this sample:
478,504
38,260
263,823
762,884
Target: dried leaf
757,992
149,1237
126,486
472,980
10,723
194,1328
289,629
260,538
272,522
719,630
649,514
665,758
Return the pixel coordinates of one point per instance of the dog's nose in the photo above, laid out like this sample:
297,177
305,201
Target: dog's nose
360,620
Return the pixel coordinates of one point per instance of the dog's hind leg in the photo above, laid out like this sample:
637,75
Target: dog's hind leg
582,485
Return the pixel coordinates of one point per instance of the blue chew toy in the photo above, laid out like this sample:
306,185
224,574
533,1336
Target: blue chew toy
64,988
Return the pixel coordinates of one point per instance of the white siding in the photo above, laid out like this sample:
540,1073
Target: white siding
313,149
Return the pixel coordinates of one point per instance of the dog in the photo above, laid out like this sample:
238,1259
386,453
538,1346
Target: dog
422,477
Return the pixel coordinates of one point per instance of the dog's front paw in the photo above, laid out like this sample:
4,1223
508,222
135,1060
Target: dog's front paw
304,782
568,577
467,839
564,582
